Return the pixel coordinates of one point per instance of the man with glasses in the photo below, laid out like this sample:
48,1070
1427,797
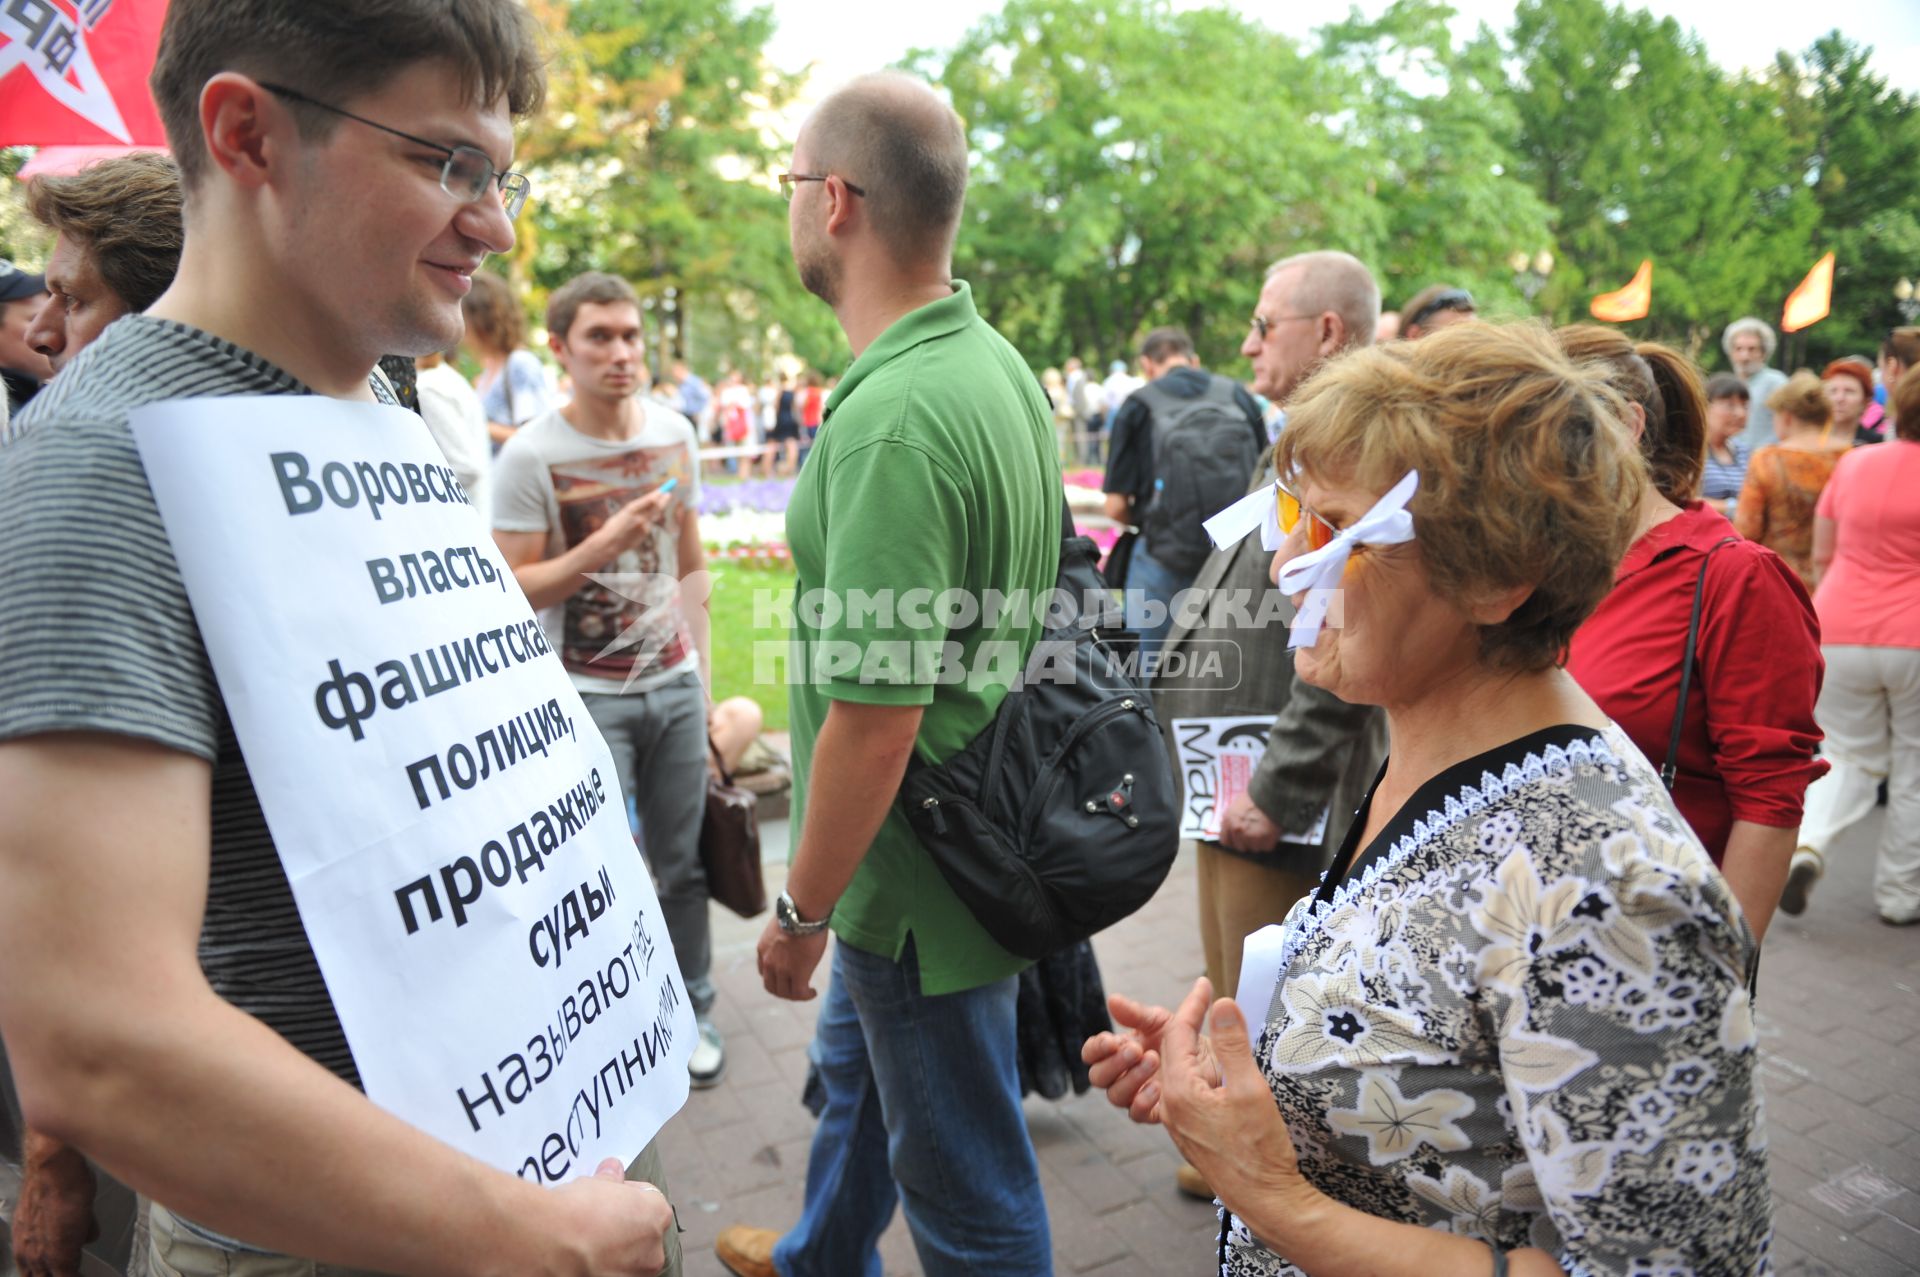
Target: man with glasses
1321,753
1435,307
162,1006
937,475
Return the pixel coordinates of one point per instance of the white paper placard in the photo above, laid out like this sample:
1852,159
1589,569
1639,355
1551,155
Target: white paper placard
1259,974
1216,758
492,944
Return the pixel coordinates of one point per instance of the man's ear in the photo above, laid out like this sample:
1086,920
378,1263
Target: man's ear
1333,334
840,206
244,130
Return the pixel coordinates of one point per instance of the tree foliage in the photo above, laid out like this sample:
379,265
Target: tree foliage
653,160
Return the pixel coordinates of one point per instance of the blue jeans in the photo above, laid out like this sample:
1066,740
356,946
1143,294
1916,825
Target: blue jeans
923,1108
1149,580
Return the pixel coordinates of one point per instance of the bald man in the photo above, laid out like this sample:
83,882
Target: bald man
937,471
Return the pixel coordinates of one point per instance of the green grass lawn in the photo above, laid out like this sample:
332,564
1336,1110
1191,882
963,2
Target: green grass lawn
735,635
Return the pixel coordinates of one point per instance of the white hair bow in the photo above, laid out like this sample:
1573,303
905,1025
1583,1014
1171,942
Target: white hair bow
1318,572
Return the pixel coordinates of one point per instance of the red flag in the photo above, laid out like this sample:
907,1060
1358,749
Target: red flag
1631,302
74,72
1808,304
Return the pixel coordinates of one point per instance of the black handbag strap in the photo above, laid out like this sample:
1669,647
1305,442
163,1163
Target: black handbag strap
726,777
1671,768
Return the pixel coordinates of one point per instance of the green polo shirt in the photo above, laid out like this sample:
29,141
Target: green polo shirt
933,481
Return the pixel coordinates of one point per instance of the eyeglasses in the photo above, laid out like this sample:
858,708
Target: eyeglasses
1319,532
1262,325
789,180
1452,299
467,174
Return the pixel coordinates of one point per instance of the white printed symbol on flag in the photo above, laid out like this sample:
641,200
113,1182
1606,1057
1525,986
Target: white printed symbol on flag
40,36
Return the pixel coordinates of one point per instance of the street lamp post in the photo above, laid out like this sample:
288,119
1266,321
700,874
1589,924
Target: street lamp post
1530,273
1907,298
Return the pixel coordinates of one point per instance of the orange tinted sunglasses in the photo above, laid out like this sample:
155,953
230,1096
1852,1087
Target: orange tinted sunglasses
1319,531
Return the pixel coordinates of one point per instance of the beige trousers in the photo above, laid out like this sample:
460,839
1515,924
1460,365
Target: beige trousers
1238,897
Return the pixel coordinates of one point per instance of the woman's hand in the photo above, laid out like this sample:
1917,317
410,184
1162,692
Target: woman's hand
1216,1104
1126,1065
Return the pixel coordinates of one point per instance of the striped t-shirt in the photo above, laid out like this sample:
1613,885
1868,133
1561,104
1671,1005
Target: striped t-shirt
99,636
1721,481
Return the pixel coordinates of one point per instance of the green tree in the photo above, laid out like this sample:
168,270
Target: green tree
1645,149
1431,124
1858,147
1134,166
653,161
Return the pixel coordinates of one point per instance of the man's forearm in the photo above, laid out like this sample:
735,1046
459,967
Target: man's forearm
241,1133
1755,866
558,579
858,763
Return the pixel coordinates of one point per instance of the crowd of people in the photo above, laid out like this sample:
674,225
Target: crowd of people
1575,663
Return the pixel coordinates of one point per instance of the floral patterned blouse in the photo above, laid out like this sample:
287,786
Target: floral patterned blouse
1523,1017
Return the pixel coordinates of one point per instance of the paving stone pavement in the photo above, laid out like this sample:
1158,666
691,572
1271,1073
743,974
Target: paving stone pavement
1839,1014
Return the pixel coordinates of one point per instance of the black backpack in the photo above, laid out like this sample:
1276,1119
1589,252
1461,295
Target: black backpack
1203,450
1060,818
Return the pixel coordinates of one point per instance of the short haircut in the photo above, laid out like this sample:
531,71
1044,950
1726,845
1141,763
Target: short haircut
1163,344
493,313
1418,310
1902,344
1336,282
1528,476
125,212
338,50
890,135
1804,398
1749,324
1860,371
1906,405
1667,388
595,286
1726,385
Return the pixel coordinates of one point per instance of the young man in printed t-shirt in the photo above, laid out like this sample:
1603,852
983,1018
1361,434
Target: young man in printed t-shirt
593,508
162,1006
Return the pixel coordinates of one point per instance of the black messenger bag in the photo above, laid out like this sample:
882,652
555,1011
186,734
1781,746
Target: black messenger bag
1060,818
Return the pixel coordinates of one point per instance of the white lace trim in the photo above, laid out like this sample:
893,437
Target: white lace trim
1310,917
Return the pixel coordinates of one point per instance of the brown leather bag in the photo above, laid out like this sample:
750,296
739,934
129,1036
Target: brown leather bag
730,843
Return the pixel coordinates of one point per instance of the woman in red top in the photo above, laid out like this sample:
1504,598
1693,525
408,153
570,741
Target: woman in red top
1748,735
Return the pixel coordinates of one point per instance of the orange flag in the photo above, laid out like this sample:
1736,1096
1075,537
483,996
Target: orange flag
1809,304
1631,302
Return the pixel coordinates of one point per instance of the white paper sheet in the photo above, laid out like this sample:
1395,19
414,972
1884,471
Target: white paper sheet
552,980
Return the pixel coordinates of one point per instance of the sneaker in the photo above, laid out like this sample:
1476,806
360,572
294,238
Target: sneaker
709,1059
746,1252
1801,875
1191,1182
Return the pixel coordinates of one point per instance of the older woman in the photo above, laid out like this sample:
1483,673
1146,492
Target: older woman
1784,480
1742,759
1849,387
1511,1032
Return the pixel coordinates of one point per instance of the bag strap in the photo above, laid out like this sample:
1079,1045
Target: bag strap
726,777
1671,768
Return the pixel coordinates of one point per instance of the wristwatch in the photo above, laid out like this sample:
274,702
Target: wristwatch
787,914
